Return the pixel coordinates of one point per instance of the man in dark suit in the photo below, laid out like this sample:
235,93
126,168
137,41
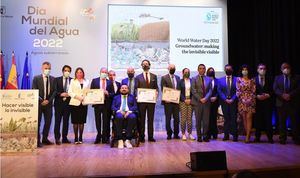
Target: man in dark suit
125,108
171,81
115,90
101,110
45,83
130,80
228,102
264,104
61,105
201,90
146,80
286,87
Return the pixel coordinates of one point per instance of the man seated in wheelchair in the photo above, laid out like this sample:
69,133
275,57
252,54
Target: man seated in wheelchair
125,109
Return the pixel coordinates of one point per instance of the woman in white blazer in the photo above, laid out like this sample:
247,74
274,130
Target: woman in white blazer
78,111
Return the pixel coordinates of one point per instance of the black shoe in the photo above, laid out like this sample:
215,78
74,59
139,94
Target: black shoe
76,141
206,139
142,140
66,141
57,142
271,141
199,140
176,137
105,141
282,142
80,140
257,140
226,137
39,145
169,137
151,140
47,142
235,138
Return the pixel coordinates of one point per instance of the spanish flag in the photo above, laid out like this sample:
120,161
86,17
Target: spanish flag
2,79
12,81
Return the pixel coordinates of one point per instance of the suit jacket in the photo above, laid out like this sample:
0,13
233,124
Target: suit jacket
182,90
166,82
131,103
96,85
125,81
222,89
76,90
267,88
197,89
38,83
141,82
215,88
278,88
60,89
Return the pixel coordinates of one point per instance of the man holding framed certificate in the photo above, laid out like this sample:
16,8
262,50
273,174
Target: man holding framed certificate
146,84
170,100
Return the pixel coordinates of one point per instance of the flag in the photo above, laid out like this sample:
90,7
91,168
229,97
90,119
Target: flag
26,77
2,78
12,81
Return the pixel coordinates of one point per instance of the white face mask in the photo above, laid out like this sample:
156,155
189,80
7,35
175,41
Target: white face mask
47,72
261,72
245,72
286,71
66,74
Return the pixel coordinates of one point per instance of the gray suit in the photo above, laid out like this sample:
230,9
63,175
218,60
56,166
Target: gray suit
38,83
171,108
201,110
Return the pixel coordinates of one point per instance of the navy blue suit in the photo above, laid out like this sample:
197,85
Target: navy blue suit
125,81
229,110
101,112
119,118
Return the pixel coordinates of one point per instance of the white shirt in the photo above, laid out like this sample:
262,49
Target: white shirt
68,83
174,80
45,79
127,109
115,86
230,80
148,74
101,84
212,83
187,84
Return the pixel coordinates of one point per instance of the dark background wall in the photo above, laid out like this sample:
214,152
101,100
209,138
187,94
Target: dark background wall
264,31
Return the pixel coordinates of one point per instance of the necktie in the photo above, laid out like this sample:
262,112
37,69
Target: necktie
130,85
203,86
66,85
147,80
172,80
124,104
228,86
103,84
47,87
262,83
286,84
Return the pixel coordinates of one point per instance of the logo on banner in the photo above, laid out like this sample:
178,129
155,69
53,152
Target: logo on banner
3,10
212,17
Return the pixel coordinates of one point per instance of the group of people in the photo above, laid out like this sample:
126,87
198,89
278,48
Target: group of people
243,96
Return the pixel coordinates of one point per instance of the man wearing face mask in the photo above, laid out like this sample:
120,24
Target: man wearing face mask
125,108
115,90
130,80
101,110
61,105
264,104
45,83
146,80
228,102
171,81
286,87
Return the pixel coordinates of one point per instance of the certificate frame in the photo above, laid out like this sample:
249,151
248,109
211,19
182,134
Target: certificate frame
170,95
93,96
146,95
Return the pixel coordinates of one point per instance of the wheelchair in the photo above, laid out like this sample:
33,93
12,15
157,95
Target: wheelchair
135,139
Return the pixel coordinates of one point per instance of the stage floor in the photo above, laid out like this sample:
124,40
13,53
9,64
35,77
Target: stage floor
163,157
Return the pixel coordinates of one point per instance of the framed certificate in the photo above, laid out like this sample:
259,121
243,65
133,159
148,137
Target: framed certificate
145,95
93,96
170,95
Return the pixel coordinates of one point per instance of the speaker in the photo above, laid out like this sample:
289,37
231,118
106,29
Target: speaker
207,161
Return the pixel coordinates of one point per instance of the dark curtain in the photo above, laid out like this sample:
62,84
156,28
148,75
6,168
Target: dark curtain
264,31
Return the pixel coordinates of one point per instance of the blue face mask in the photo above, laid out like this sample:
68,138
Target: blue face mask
103,75
47,72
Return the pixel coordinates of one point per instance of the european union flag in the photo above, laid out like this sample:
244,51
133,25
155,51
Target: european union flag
26,77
